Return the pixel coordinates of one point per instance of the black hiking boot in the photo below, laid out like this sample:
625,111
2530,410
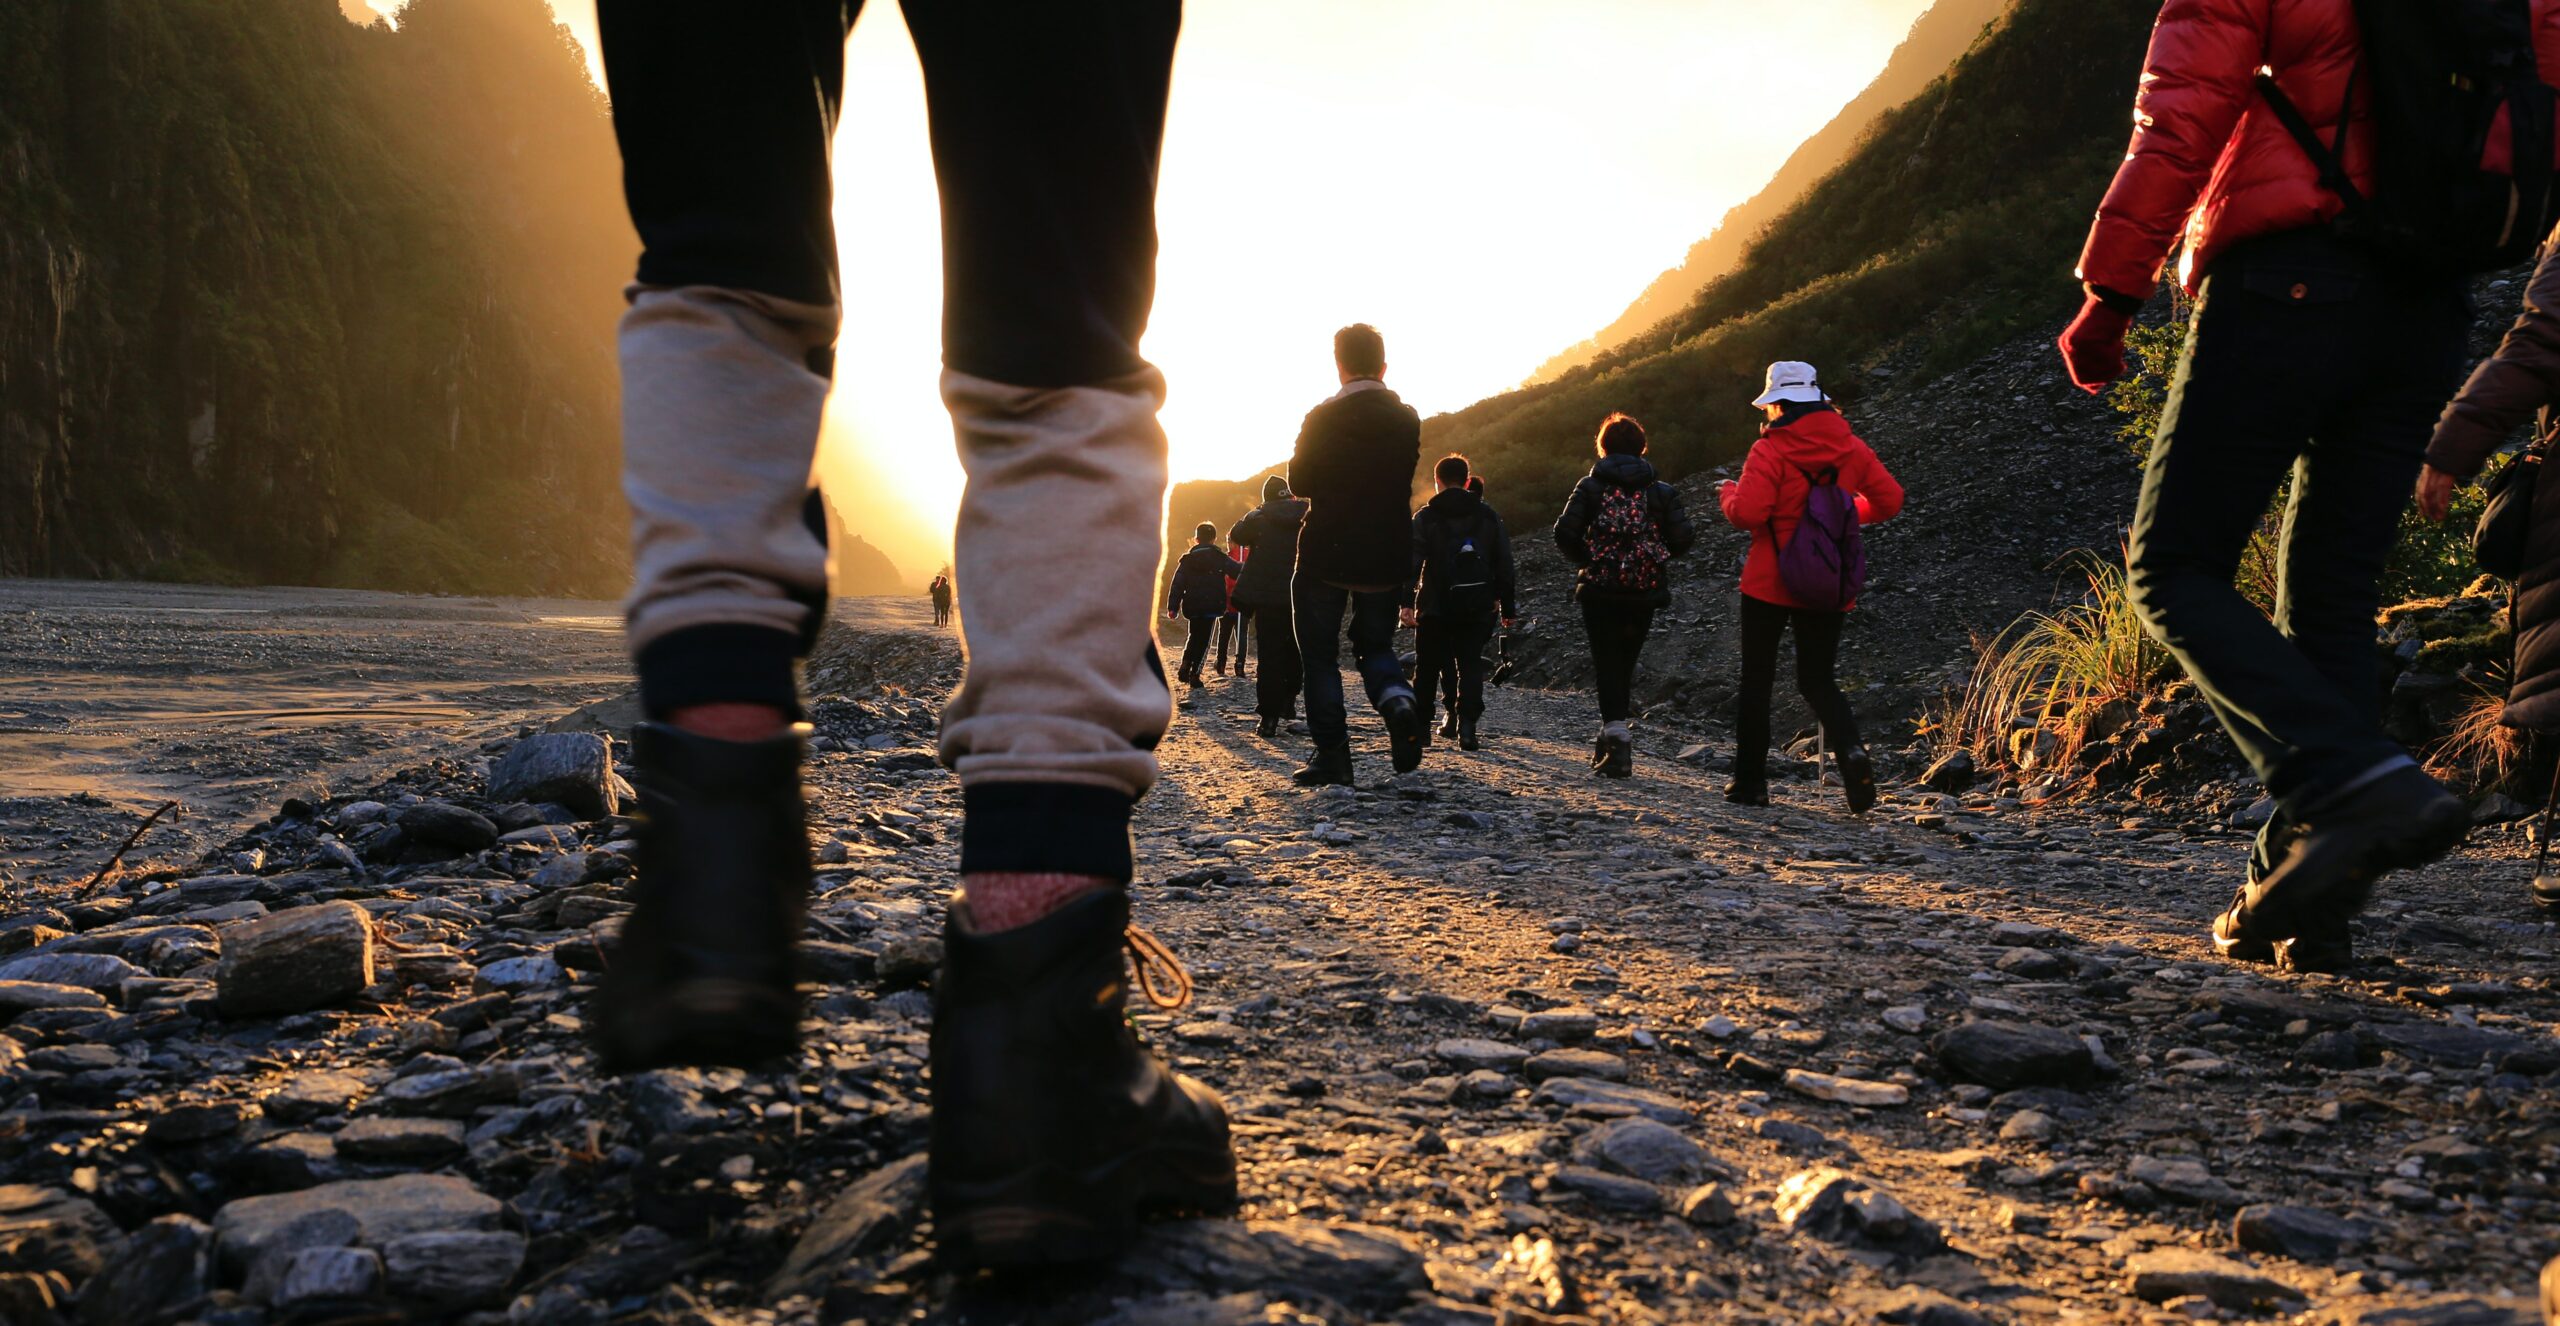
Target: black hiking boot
2327,945
1053,1129
2274,843
1858,779
1268,728
1331,767
1616,757
704,972
2399,821
1449,725
1405,732
1747,794
1467,739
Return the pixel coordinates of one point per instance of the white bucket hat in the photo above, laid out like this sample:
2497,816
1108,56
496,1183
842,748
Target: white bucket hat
1790,380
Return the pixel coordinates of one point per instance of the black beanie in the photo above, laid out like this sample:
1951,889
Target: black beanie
1274,488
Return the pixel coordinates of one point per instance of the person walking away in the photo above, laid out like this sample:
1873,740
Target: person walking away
1805,447
2328,330
2508,389
1448,678
1268,534
1354,463
1231,624
1199,595
940,592
1464,584
1622,526
1052,1127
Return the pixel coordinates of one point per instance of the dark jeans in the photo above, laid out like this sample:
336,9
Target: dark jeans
1195,649
1282,672
1231,631
1046,123
2305,358
1617,632
1453,646
1319,610
1817,652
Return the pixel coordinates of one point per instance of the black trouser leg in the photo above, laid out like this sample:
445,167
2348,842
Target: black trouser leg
1617,632
1817,661
1196,647
1468,667
1434,652
1762,624
1276,649
2308,357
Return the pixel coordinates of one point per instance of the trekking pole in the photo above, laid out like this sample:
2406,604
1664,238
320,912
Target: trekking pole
2542,834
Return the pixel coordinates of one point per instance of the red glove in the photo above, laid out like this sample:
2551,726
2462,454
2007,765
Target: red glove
2093,345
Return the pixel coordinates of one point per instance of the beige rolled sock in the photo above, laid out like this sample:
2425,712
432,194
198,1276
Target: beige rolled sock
1061,527
720,418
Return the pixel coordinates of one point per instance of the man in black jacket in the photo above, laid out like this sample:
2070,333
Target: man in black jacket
1462,563
1354,464
1270,532
1199,593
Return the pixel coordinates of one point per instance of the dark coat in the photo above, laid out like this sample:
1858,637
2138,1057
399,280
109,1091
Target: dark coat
2503,393
1271,531
1354,465
1200,582
1573,528
1443,524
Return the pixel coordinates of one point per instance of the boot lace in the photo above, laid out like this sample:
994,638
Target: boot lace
1162,978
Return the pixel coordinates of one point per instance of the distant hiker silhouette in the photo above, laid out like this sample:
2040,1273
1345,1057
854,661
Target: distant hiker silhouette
1199,595
1463,586
1052,1127
1237,622
1622,526
1269,535
2329,328
1354,464
940,592
1447,679
1806,488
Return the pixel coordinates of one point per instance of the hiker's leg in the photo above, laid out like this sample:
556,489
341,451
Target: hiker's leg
1275,644
1051,1126
727,345
2349,490
1318,610
2258,370
1373,646
1046,122
1434,648
1195,646
1817,662
1472,635
1604,658
1762,624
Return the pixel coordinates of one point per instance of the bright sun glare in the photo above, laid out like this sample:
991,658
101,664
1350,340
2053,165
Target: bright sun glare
1488,181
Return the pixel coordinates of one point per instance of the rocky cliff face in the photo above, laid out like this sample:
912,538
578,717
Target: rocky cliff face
283,298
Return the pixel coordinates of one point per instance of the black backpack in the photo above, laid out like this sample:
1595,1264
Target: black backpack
1470,583
2463,129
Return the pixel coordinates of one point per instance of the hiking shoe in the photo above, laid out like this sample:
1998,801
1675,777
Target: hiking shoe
1617,757
2328,946
1747,794
1268,728
1449,726
1330,767
1467,739
704,973
2400,820
1405,732
1858,779
1053,1129
2229,942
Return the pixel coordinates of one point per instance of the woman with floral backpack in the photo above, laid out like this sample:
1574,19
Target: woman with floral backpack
1622,526
1806,487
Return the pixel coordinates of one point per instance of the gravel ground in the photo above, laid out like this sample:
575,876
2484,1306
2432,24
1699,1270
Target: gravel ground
1504,1043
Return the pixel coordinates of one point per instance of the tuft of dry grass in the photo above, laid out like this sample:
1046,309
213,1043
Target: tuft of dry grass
2055,672
2480,752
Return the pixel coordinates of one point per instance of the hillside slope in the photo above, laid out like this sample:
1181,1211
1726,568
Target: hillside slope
1951,229
1941,33
287,299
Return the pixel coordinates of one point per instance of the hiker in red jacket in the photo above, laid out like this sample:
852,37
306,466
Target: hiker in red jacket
2315,352
1804,441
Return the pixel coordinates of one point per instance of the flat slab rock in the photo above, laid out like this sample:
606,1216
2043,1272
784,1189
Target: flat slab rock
2166,1273
870,1215
2005,1055
384,1209
1571,1092
292,961
1361,1268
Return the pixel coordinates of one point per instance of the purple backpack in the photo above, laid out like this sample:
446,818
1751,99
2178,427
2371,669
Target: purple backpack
1825,564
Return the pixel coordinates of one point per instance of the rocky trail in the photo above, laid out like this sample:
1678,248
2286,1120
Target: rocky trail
1504,1043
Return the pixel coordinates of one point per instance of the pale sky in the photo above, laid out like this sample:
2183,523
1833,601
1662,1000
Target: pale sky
1487,181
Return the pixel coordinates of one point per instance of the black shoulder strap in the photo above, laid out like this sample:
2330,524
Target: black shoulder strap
2324,156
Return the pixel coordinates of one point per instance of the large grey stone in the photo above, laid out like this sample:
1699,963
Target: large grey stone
2006,1055
2298,1232
574,769
2166,1273
1573,1092
27,996
877,1209
398,1141
384,1209
328,1274
453,1268
444,824
1362,1269
305,958
47,1229
88,971
1648,1149
164,1270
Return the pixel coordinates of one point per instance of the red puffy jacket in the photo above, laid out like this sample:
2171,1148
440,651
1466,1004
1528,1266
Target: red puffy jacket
1768,501
2210,161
